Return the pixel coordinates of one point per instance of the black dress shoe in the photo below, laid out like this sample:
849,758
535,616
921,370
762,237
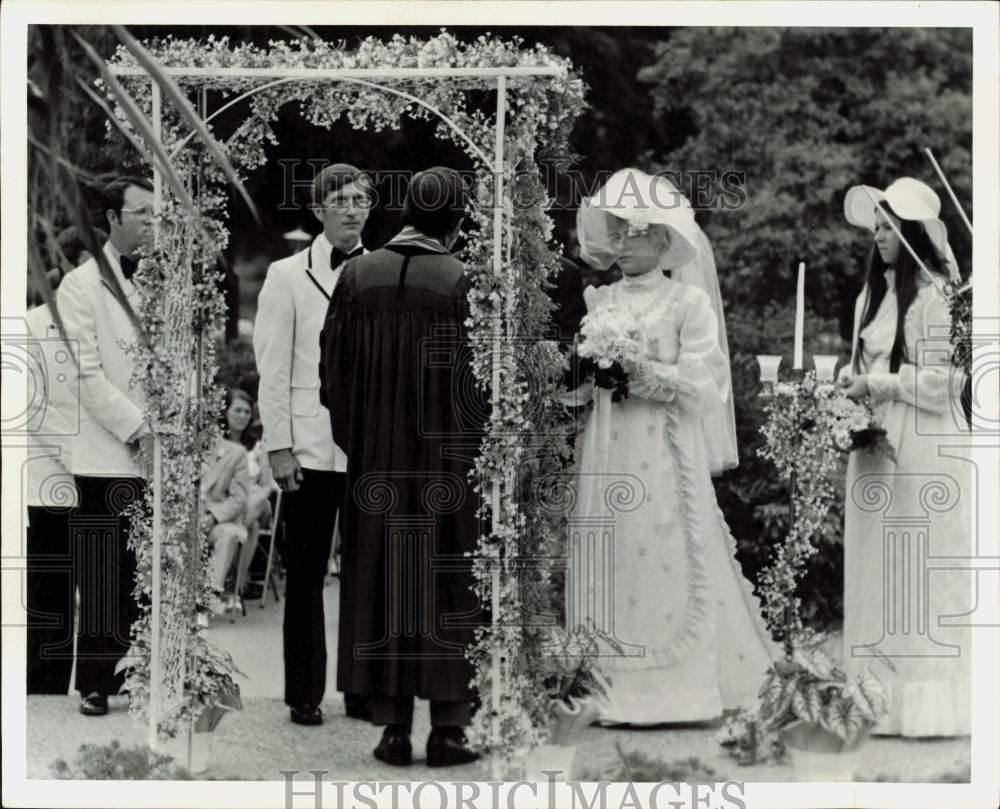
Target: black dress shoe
394,748
357,706
307,715
94,704
447,747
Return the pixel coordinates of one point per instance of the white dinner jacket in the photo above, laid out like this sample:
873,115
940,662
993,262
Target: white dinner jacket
53,428
111,409
291,310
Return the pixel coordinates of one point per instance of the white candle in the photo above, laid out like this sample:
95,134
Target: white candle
800,315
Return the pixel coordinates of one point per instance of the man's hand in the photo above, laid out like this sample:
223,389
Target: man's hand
141,432
208,521
286,470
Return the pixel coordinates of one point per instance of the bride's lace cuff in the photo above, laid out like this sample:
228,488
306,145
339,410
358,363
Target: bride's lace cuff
655,380
689,382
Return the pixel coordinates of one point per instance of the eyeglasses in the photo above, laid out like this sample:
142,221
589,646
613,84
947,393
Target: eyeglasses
361,203
140,213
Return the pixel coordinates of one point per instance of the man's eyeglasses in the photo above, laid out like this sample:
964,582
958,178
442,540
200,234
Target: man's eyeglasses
140,213
361,203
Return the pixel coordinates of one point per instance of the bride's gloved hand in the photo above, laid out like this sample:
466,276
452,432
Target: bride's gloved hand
651,379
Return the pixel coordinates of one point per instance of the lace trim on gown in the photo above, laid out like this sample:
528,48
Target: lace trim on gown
692,629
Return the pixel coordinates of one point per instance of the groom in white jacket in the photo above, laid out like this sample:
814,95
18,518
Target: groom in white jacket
307,464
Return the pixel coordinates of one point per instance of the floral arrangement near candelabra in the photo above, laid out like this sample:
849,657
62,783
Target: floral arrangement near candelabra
797,442
809,424
808,706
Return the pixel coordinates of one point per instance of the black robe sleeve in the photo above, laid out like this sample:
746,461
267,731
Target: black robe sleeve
336,351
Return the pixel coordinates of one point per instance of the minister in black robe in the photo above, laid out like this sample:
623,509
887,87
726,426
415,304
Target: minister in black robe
403,402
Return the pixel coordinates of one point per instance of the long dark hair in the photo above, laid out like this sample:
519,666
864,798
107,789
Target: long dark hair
248,437
907,271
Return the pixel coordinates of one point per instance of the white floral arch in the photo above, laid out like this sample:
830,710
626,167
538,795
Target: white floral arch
537,101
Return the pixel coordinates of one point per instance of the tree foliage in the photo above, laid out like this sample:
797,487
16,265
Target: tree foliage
805,114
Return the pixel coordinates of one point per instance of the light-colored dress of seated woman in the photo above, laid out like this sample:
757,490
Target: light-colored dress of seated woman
223,500
262,486
906,621
652,561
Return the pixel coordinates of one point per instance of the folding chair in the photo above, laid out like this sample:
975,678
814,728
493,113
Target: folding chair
271,534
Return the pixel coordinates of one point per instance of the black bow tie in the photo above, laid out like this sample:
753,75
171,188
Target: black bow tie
338,256
129,266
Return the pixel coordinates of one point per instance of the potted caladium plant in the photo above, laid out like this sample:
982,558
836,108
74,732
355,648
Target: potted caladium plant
577,693
822,714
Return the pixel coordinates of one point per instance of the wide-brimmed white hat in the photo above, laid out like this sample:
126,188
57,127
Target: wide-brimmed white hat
642,199
908,199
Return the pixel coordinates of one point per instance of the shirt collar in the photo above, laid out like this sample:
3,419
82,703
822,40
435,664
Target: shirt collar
409,235
112,252
115,260
322,248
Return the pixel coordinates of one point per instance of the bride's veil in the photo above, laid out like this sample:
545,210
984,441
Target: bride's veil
719,424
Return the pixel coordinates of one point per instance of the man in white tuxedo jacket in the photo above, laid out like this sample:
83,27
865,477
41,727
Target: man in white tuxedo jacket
104,452
305,461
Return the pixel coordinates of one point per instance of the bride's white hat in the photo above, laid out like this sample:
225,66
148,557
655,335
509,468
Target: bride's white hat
641,199
909,199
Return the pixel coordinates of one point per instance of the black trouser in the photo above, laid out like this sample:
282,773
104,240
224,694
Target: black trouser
309,514
50,588
105,573
399,711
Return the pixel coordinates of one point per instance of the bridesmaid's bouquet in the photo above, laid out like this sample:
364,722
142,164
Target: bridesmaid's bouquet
610,341
855,426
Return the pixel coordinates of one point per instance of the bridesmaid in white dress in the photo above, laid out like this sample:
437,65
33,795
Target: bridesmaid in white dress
900,618
652,562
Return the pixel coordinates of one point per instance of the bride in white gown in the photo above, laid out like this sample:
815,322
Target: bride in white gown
652,561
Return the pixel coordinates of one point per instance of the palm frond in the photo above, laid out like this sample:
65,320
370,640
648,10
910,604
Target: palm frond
156,152
180,101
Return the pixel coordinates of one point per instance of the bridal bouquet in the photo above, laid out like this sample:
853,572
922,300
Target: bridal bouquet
610,340
854,425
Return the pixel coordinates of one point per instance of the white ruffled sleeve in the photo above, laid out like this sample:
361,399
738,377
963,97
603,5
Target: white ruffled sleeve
929,381
697,381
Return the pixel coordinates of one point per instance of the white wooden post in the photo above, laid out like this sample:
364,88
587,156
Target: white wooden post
154,664
497,504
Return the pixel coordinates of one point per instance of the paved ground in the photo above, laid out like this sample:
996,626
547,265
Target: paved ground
259,741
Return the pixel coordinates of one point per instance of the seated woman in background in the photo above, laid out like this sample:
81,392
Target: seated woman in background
223,501
238,428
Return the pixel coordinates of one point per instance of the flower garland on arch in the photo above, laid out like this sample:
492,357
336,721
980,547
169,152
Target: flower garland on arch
180,306
526,448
